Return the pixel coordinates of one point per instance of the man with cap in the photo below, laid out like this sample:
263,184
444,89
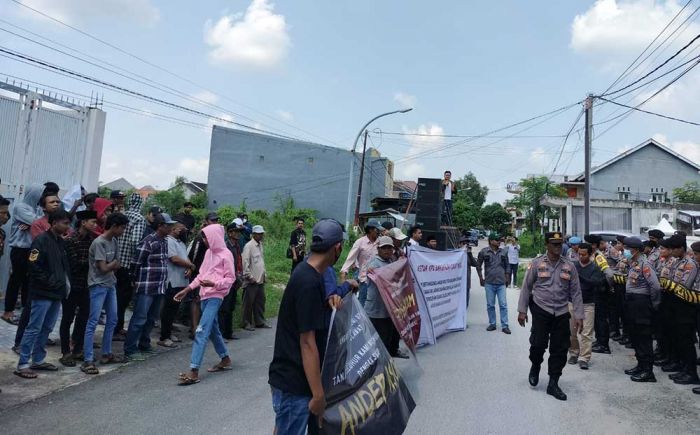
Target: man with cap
150,272
398,239
643,296
127,248
683,304
78,250
551,282
572,253
696,289
233,233
298,399
254,282
245,236
655,236
666,355
604,297
363,250
374,306
495,263
619,265
117,198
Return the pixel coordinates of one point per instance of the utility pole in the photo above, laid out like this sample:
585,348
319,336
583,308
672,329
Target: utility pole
588,106
359,186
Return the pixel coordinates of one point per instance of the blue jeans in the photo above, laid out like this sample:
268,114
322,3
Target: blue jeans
208,328
493,290
146,313
100,297
362,295
291,412
41,322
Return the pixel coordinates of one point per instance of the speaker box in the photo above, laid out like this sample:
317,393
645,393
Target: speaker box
446,238
429,184
426,209
430,196
428,223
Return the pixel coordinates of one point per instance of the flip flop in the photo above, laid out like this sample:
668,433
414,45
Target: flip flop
12,321
219,368
187,381
44,366
26,374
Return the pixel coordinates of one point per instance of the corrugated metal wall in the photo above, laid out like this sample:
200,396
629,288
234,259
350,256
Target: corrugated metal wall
9,119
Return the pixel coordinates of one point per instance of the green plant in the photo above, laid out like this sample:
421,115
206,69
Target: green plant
531,245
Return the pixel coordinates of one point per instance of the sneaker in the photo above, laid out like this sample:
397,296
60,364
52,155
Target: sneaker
583,365
506,330
491,328
573,360
138,356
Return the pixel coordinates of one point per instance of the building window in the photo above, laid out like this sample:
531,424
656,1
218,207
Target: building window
658,197
310,160
623,196
261,159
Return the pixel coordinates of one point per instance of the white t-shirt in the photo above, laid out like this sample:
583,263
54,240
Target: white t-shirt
513,254
448,192
412,242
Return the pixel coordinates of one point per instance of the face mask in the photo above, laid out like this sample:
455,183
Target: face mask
627,253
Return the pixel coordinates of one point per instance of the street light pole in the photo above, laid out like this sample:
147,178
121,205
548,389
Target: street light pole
352,161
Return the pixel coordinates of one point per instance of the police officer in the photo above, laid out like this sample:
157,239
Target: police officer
655,237
696,289
683,310
550,283
665,266
618,264
602,301
643,296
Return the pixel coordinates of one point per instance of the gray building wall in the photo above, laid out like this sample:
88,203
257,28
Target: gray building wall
261,169
648,168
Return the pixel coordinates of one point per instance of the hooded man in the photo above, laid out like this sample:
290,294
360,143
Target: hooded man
127,248
19,241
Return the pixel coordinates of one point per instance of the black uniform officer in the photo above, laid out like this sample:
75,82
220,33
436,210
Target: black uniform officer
696,288
619,265
683,310
550,283
643,296
603,298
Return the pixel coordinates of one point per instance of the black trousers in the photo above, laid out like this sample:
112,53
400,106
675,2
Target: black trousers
388,333
617,311
602,318
168,312
668,327
550,331
79,299
641,314
125,292
19,278
226,313
684,317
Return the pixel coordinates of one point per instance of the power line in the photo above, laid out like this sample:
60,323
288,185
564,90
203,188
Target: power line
397,133
566,139
651,113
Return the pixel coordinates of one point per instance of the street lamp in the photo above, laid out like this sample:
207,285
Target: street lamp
352,160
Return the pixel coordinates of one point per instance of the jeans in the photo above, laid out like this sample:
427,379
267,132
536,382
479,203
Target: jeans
362,295
208,328
493,291
291,413
41,322
146,313
100,297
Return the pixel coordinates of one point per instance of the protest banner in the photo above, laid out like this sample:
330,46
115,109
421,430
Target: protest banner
365,394
395,285
440,283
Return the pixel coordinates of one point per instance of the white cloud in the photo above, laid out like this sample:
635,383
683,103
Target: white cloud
285,115
222,116
159,173
426,139
405,100
538,160
206,97
258,38
140,11
612,33
687,148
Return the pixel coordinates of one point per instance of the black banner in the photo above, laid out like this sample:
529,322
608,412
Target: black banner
365,393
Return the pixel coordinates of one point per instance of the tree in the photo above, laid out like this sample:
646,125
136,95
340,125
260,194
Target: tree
689,193
471,195
495,217
170,201
534,189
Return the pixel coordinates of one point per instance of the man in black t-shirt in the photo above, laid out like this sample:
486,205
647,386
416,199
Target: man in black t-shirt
300,339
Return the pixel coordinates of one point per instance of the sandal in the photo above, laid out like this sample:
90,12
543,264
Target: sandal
12,320
89,369
186,380
220,368
112,359
67,360
25,374
44,366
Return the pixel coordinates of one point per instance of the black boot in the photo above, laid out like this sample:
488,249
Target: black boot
646,375
633,371
696,390
687,379
671,367
534,376
554,390
661,362
674,376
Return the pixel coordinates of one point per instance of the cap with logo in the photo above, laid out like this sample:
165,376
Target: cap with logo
238,222
554,237
656,234
385,241
396,233
325,234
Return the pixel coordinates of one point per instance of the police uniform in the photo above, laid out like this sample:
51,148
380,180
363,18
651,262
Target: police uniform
696,288
603,298
683,302
653,256
643,297
547,289
666,341
616,317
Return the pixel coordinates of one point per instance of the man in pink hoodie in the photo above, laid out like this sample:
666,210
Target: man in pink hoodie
216,275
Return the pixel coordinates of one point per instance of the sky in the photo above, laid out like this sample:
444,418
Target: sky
319,70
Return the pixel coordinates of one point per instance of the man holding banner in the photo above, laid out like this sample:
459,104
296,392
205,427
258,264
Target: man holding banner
375,307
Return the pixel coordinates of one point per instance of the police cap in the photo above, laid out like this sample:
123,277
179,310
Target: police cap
593,239
554,237
633,242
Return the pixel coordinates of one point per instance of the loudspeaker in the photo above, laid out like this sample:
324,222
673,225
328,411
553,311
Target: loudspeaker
429,185
446,238
427,209
428,223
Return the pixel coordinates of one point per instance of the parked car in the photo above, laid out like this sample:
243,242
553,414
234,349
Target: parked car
472,235
612,235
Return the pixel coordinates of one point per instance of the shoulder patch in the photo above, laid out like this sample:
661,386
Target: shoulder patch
33,255
689,266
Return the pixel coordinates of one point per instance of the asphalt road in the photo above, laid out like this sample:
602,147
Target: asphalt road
471,382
